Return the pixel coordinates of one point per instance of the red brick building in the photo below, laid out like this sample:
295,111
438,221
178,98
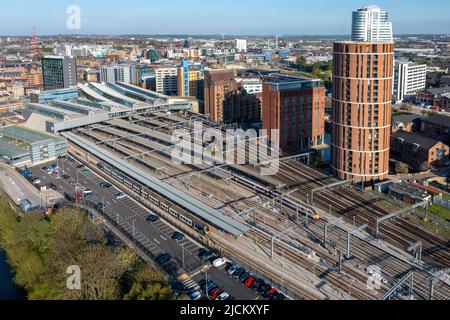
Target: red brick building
296,107
415,150
362,108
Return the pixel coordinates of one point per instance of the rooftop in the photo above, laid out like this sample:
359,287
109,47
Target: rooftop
438,119
27,135
412,138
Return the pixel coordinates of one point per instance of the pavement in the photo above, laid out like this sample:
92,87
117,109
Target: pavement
17,187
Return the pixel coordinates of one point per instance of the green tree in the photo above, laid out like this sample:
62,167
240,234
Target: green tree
401,168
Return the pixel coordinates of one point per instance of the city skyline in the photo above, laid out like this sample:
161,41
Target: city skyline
249,18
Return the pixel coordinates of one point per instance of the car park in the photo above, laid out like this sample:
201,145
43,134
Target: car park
152,218
219,262
177,236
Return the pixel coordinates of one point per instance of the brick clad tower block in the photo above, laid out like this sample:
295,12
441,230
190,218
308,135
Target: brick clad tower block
362,108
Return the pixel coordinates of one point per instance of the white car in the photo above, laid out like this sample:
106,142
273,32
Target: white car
223,296
219,262
195,295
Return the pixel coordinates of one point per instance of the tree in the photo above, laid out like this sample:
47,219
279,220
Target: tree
401,168
424,166
149,284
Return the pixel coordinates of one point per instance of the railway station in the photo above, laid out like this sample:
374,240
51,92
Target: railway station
128,133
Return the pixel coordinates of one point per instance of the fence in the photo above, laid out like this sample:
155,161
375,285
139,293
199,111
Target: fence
442,202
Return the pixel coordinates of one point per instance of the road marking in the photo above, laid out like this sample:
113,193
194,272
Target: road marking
163,238
157,241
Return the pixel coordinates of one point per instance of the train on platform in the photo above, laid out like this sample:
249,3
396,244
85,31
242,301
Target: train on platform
181,214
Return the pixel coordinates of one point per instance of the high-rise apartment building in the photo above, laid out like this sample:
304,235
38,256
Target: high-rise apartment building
241,45
118,73
296,107
218,83
362,107
371,24
191,80
409,78
59,72
167,80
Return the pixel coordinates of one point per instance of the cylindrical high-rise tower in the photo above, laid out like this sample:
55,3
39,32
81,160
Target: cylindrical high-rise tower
362,107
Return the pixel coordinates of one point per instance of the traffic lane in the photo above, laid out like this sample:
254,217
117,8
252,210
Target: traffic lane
129,210
233,286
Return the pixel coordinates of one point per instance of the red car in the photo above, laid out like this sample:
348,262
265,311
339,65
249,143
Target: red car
269,294
215,293
249,282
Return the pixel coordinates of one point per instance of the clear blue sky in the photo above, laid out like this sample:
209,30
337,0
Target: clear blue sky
259,17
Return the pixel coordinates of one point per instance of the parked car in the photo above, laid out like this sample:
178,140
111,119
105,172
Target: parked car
249,282
36,181
258,284
178,236
100,206
215,293
196,295
163,258
219,262
65,177
238,273
86,172
233,269
105,185
152,218
208,287
269,294
205,254
52,185
222,297
245,276
120,196
264,288
278,297
45,169
88,192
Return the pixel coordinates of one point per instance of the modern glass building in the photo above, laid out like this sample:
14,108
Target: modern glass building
60,95
59,72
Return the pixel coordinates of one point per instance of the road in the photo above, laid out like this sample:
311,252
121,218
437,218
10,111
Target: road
154,236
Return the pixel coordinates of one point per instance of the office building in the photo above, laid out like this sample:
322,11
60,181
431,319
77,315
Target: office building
409,78
218,83
59,72
241,45
370,24
361,110
167,80
296,107
191,80
118,73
